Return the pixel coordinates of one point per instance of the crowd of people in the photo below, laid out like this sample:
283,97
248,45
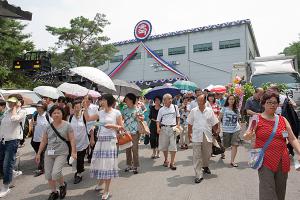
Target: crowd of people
68,132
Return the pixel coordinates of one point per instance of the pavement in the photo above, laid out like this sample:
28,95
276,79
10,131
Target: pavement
155,182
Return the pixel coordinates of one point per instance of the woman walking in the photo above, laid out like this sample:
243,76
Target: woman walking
78,124
56,138
184,113
229,117
276,163
10,136
131,115
153,131
104,164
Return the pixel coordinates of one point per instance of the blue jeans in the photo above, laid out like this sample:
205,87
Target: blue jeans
8,151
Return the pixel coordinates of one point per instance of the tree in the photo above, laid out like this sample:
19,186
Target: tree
293,49
82,43
13,42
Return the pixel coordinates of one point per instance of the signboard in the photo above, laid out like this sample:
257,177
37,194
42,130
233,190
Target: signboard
142,30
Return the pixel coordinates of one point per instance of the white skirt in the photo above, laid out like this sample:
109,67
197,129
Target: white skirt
104,164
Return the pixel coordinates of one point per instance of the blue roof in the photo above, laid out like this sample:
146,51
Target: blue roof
193,30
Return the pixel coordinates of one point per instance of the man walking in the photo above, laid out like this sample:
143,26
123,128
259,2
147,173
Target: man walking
167,120
253,106
201,122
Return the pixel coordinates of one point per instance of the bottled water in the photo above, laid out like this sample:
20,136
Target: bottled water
296,163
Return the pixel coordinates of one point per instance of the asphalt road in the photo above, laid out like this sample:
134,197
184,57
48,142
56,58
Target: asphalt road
155,182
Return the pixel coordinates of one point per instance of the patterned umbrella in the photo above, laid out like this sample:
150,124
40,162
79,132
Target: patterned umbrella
185,85
145,91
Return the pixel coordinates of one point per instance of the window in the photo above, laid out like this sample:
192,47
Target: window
136,56
158,52
229,44
118,58
202,47
176,50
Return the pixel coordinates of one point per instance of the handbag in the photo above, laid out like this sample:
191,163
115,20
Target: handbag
124,138
257,155
217,147
147,139
143,127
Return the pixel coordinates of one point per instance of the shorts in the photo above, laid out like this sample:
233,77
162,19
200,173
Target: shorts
167,139
230,139
54,166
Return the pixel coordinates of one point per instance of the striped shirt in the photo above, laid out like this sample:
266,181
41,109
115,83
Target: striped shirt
277,150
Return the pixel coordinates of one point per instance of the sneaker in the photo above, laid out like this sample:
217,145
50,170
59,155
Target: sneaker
63,191
135,170
77,179
206,170
53,196
4,192
38,173
127,169
198,180
17,173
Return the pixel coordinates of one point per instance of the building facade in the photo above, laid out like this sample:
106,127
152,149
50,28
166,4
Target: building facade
205,55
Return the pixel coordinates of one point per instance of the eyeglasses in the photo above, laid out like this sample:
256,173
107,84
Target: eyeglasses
271,102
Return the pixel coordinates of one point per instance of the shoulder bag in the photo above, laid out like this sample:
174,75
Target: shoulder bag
61,137
257,155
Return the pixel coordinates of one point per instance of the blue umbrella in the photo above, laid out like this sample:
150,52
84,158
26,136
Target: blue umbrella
161,91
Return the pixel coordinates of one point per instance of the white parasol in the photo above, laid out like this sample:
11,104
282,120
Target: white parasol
95,75
48,91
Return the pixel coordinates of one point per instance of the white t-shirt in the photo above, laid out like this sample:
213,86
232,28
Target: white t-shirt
281,101
202,122
193,104
40,127
167,115
107,118
80,133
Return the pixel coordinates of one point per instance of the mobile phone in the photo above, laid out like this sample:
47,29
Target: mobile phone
253,124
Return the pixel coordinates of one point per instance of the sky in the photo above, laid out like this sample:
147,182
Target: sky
275,22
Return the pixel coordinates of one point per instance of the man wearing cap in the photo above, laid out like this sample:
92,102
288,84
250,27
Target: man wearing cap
10,135
39,123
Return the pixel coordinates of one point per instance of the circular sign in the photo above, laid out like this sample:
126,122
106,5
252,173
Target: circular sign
142,30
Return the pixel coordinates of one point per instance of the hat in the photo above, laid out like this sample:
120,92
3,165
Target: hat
12,99
39,104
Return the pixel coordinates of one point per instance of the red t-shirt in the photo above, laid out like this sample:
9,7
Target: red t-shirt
277,150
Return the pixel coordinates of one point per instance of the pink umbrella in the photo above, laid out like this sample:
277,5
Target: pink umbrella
218,89
94,94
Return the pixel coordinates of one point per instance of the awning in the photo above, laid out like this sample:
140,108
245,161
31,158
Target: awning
11,11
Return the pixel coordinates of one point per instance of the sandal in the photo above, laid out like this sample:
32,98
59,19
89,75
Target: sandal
233,164
105,196
166,164
153,156
223,157
173,167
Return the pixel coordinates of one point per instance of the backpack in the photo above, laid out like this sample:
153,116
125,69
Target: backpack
84,121
25,128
